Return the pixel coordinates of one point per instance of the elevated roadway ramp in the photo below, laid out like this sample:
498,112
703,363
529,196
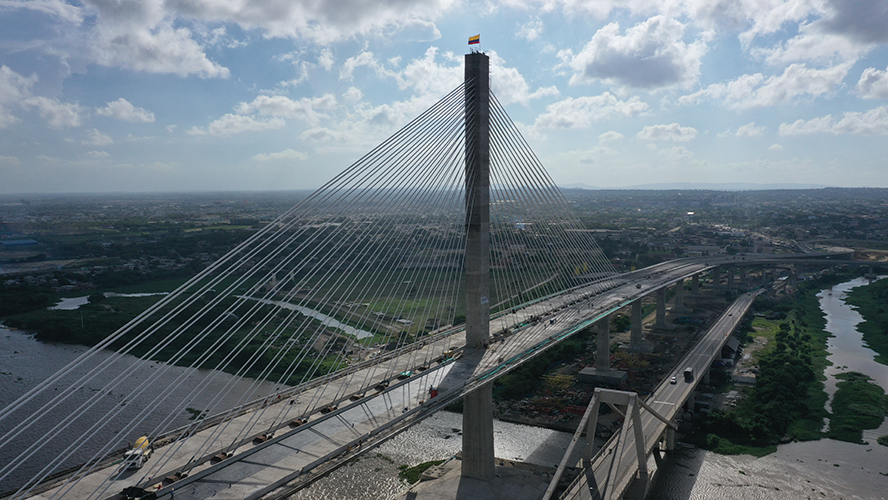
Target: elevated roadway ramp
293,457
610,474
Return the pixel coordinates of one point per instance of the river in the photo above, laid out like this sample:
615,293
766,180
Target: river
25,362
819,469
813,469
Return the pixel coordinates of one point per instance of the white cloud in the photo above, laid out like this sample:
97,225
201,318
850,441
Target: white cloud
775,147
809,46
308,109
510,86
14,88
531,30
415,30
429,79
56,8
98,154
321,22
124,110
159,48
287,154
753,91
651,54
873,84
676,153
869,123
325,60
9,160
353,95
583,111
670,132
609,137
57,114
364,59
234,124
750,130
96,138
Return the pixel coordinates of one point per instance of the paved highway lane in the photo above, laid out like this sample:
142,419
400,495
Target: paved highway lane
613,476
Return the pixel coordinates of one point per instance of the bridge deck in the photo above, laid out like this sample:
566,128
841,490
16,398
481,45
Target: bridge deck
336,437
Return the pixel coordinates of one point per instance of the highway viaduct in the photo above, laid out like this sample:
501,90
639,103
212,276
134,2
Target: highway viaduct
276,464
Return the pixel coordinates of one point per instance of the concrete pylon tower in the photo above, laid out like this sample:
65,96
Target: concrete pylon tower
477,439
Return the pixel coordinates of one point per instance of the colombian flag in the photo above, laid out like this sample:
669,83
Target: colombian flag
474,39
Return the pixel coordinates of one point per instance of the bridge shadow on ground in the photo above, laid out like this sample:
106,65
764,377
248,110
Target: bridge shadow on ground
677,474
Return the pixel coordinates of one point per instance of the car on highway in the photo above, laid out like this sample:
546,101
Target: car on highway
672,380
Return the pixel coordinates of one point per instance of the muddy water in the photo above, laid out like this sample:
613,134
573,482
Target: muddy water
25,362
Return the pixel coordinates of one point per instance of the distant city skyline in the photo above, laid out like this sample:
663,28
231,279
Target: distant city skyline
213,95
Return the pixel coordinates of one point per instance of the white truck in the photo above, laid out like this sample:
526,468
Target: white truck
138,455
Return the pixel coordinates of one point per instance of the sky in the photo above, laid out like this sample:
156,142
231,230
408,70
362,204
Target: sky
232,95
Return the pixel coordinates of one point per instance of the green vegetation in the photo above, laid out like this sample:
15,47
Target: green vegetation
527,377
787,402
23,300
857,405
883,440
412,474
87,325
871,302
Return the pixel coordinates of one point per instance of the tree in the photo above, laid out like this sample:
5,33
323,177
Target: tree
96,298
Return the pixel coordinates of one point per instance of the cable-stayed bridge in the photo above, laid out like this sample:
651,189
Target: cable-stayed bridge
437,262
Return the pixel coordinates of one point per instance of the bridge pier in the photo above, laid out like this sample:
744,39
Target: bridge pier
478,458
731,271
743,278
602,352
660,322
679,306
670,439
716,276
695,284
477,440
635,328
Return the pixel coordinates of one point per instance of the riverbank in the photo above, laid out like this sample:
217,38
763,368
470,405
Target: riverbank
787,402
871,302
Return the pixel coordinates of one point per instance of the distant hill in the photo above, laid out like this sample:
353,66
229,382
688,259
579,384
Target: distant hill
704,186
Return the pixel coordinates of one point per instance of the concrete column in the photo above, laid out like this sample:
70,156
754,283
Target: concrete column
731,277
695,283
477,200
706,376
635,331
478,458
602,354
689,404
717,276
679,294
477,440
743,278
670,439
661,309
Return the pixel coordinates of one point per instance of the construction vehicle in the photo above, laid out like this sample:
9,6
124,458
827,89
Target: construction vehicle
138,455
